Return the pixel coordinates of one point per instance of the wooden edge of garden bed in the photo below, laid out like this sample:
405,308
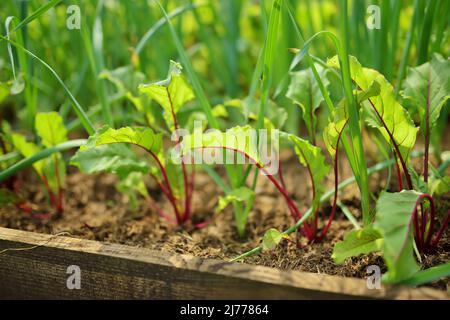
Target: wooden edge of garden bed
34,265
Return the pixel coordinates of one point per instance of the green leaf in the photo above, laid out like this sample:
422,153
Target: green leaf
172,94
139,136
242,194
357,242
393,221
50,128
112,158
416,88
305,92
312,158
395,120
27,149
241,139
142,106
272,238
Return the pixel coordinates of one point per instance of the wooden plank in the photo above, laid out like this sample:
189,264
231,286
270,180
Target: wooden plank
34,265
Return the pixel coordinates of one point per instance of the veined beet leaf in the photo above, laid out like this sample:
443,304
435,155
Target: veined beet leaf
50,128
429,85
394,221
383,111
172,94
238,139
145,138
113,158
305,92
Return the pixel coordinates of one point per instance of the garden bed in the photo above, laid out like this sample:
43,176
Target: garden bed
96,211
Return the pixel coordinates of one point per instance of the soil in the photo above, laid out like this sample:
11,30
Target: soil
95,210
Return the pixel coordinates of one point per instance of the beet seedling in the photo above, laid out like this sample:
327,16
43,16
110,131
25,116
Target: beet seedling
405,221
103,151
51,171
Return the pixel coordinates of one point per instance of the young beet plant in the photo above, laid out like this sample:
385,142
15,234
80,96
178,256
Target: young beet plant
51,171
406,221
107,149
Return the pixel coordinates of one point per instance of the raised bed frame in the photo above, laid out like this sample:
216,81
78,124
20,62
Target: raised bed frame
34,265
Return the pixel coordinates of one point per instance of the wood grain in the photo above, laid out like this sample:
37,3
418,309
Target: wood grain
34,265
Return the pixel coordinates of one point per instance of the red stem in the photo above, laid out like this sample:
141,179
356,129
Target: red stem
441,230
187,209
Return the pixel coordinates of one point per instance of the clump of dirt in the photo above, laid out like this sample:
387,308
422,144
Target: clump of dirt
95,210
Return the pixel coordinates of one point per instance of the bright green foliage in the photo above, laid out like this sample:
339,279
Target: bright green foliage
357,242
139,136
386,114
272,238
312,158
172,94
112,158
394,222
429,81
305,92
240,139
50,128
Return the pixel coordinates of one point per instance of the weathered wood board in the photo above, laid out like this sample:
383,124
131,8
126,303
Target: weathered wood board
35,265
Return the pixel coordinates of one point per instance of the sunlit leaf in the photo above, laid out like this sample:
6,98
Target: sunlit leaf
172,94
139,136
386,114
242,140
112,158
50,128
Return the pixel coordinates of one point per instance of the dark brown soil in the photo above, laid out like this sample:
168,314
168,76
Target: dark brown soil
95,210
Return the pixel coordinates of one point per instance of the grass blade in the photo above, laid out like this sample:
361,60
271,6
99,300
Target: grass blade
77,107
